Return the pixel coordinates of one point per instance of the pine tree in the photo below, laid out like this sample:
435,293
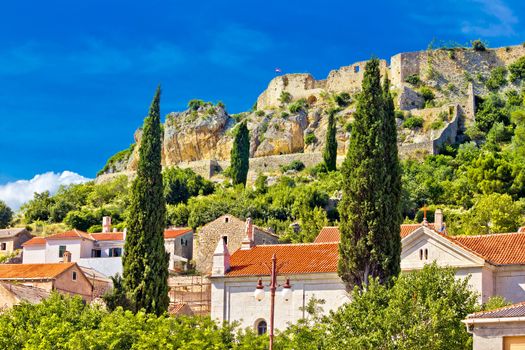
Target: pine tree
330,148
145,261
368,248
240,155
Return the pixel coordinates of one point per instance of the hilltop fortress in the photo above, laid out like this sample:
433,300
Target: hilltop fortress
439,88
443,68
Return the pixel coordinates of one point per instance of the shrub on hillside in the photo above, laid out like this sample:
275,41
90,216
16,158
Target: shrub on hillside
497,78
517,69
310,138
296,165
413,80
343,99
479,45
413,122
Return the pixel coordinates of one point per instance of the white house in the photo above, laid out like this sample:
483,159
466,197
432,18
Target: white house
500,329
102,251
496,264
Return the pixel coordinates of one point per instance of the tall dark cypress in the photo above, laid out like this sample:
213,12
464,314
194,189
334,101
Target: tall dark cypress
330,148
240,155
366,248
145,261
392,184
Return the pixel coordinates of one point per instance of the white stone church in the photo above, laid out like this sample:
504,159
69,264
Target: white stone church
495,264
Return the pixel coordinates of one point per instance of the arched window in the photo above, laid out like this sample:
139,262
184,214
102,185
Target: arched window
420,254
426,254
261,327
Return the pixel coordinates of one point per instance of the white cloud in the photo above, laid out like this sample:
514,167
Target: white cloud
499,21
18,192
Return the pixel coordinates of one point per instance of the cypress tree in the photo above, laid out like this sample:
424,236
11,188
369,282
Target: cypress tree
367,248
392,185
240,155
330,148
145,260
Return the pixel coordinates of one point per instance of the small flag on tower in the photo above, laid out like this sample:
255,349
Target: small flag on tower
278,70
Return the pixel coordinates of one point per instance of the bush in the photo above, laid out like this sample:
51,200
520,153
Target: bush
427,94
297,106
517,69
478,45
348,127
310,138
497,78
490,111
285,97
194,105
413,122
343,99
413,80
259,113
437,124
296,165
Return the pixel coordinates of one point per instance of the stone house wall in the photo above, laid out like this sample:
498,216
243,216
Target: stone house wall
233,228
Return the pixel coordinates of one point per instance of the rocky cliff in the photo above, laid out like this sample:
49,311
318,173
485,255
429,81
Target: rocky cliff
437,86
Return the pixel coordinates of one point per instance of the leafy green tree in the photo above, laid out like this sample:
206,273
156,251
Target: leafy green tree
368,246
494,213
518,141
330,148
145,261
38,208
181,184
6,215
240,155
377,318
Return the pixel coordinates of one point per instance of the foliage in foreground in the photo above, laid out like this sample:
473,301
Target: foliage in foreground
423,310
62,322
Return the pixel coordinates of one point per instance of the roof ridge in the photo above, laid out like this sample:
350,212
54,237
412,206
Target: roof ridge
295,244
489,235
508,307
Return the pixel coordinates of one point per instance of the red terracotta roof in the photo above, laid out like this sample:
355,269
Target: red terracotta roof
32,271
294,258
35,241
108,236
174,233
515,310
72,234
328,234
499,249
331,234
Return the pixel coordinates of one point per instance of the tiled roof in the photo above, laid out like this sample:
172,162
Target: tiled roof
32,271
174,233
499,249
35,241
516,310
11,232
26,293
72,234
331,233
328,234
292,259
108,236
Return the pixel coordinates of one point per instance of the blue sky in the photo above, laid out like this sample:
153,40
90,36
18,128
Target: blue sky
77,77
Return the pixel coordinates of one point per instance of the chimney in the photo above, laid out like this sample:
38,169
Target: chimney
438,220
66,257
247,243
106,224
221,259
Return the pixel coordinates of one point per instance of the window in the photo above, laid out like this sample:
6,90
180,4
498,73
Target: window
426,254
3,246
61,250
74,276
96,253
423,253
261,327
226,219
115,252
420,254
356,69
225,239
